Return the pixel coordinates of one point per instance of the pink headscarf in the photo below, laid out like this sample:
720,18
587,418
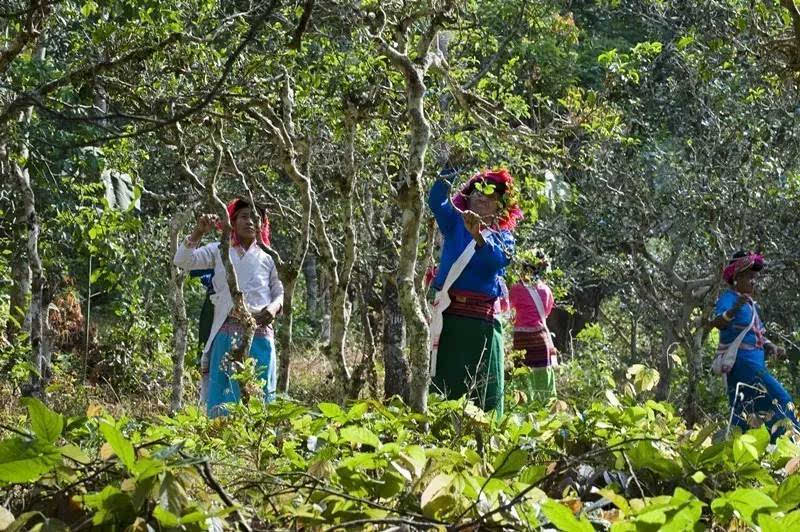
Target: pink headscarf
501,177
740,264
234,207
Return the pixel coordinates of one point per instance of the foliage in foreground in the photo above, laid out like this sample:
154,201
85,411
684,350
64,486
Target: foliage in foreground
615,464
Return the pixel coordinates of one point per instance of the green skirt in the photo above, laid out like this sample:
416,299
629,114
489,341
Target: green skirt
470,359
539,384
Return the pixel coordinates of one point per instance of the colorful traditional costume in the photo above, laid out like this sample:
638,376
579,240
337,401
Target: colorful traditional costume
741,346
532,336
259,282
467,340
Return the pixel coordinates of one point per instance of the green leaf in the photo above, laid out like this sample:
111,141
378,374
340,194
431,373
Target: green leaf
562,518
88,8
330,410
436,496
746,502
121,446
75,453
788,496
165,517
26,460
510,463
699,477
357,411
767,523
45,423
360,435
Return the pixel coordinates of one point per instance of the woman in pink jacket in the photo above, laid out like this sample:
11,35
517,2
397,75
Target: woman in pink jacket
532,302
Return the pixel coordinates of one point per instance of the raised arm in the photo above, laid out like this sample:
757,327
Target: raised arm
188,256
439,202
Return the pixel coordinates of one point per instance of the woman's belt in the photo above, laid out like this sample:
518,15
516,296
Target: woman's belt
468,304
234,327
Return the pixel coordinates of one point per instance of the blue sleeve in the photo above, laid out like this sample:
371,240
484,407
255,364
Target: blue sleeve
498,250
724,303
439,203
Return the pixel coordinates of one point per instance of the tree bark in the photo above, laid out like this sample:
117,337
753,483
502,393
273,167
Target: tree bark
410,200
340,315
16,152
289,279
38,360
180,323
19,304
396,372
312,287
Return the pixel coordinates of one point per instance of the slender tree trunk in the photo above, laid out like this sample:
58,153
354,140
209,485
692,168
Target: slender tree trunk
325,310
19,304
665,360
39,357
411,202
694,350
396,374
289,279
180,323
340,316
312,287
365,371
37,280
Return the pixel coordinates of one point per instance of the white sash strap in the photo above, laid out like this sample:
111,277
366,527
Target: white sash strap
441,299
537,300
727,357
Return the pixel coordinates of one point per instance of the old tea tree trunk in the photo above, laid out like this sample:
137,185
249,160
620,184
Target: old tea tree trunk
410,196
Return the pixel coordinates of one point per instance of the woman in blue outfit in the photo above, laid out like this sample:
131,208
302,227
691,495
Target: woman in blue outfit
737,318
467,341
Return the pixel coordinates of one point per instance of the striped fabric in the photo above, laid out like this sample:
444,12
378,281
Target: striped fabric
535,345
468,304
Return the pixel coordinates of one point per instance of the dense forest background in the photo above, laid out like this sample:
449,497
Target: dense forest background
651,140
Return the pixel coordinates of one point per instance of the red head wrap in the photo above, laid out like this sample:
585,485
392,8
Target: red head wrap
739,264
509,211
239,204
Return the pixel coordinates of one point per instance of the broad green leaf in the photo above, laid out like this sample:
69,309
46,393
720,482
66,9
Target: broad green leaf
121,446
26,460
45,423
360,435
562,518
165,517
330,410
618,500
437,488
788,496
767,523
510,463
415,456
75,453
357,411
746,502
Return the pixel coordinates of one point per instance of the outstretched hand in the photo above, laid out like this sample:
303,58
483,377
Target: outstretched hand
206,222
